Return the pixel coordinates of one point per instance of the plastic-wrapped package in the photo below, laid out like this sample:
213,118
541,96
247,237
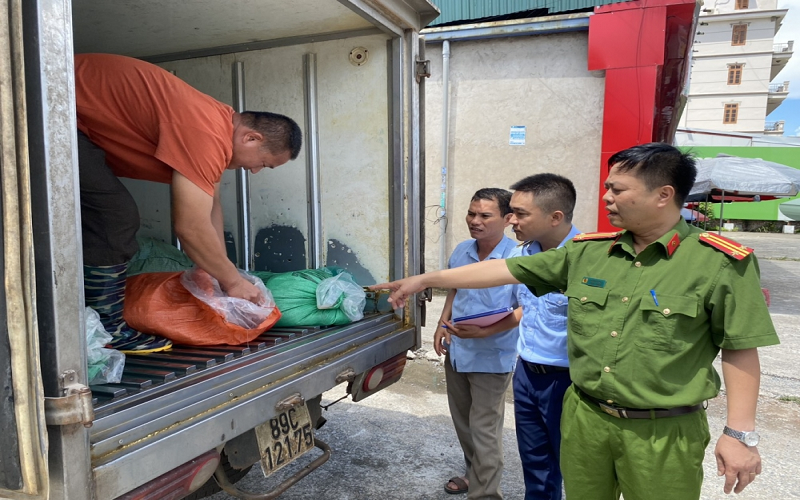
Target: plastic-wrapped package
296,292
159,303
342,292
104,365
240,312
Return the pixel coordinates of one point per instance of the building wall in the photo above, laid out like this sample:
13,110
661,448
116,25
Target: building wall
729,6
540,82
709,90
707,112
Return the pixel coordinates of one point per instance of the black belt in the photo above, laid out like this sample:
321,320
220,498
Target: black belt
544,369
616,411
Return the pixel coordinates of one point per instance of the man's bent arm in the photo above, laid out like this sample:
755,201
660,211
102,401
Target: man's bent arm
739,463
217,218
192,215
480,332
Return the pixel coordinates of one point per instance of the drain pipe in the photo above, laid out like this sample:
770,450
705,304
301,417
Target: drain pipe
442,216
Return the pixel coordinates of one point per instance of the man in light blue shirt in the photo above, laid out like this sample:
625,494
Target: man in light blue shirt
478,371
542,207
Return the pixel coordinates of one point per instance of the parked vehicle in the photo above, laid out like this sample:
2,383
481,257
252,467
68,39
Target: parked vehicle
350,72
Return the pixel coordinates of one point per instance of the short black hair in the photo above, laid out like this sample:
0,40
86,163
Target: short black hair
550,192
501,196
658,164
280,132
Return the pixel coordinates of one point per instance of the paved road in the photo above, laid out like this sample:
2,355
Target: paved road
399,444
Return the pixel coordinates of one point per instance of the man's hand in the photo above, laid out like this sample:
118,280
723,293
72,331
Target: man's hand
472,332
243,289
401,289
441,334
740,464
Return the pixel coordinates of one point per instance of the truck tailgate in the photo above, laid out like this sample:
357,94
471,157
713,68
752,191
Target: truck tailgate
175,406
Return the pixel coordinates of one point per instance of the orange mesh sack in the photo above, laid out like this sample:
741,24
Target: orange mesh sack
159,303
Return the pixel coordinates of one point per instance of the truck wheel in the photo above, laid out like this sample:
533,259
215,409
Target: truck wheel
211,486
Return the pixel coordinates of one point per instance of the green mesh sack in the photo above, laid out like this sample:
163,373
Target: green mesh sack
295,294
157,257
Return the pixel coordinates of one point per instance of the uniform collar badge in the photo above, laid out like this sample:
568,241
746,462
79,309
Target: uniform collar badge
673,244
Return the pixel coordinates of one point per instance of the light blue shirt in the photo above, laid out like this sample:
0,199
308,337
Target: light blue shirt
543,328
495,354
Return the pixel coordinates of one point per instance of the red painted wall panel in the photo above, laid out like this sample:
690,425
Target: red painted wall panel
643,47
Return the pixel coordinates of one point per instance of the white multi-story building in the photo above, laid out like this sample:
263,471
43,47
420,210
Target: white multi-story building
735,61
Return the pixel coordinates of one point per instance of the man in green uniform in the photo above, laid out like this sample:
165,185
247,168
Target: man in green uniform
649,309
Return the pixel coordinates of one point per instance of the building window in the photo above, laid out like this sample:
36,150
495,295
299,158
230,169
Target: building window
731,113
739,34
734,74
742,4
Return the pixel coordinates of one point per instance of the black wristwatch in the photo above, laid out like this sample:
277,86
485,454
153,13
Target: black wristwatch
750,438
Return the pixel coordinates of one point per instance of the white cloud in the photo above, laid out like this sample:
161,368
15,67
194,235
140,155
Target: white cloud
790,30
797,132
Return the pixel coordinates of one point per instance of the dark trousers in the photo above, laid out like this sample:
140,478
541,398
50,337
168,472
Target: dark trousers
538,399
109,216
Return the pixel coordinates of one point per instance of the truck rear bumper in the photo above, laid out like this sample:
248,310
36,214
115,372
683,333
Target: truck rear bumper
141,436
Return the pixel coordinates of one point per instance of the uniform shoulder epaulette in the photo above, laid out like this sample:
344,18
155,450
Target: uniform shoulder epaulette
726,246
596,236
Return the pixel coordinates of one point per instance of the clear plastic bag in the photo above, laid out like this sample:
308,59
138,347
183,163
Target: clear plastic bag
237,311
104,365
342,292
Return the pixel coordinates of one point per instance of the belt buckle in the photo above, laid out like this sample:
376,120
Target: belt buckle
614,412
534,367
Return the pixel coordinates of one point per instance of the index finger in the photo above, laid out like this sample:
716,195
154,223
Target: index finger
381,286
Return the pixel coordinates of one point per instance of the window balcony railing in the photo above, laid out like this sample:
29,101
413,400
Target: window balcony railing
779,88
780,48
774,126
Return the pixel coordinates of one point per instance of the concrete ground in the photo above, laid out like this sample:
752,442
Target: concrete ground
400,444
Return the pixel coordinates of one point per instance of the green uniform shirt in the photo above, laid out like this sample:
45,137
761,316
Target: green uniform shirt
625,348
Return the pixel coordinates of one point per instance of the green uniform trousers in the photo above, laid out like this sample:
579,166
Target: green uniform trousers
603,456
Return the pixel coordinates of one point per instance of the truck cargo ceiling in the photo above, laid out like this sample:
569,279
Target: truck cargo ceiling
146,28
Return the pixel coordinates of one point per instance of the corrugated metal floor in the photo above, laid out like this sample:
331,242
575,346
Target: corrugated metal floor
147,371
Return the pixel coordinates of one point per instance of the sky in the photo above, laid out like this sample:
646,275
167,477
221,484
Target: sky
789,111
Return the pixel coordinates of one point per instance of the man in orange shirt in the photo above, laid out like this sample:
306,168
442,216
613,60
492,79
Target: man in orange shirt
139,121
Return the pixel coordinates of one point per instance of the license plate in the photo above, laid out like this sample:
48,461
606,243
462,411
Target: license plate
284,438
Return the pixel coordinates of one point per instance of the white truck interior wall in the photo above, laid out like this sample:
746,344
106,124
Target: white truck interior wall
353,147
354,155
540,82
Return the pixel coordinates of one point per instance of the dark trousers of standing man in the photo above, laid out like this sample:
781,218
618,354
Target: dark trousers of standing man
538,399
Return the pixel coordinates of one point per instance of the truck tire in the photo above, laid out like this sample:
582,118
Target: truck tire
211,486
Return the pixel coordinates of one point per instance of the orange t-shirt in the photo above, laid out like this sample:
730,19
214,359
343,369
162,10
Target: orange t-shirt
150,122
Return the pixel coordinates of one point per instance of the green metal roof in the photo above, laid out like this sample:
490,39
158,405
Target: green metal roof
467,10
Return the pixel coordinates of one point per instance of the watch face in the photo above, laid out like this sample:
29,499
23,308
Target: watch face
751,438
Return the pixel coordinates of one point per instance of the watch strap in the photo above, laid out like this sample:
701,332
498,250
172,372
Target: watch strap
740,435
